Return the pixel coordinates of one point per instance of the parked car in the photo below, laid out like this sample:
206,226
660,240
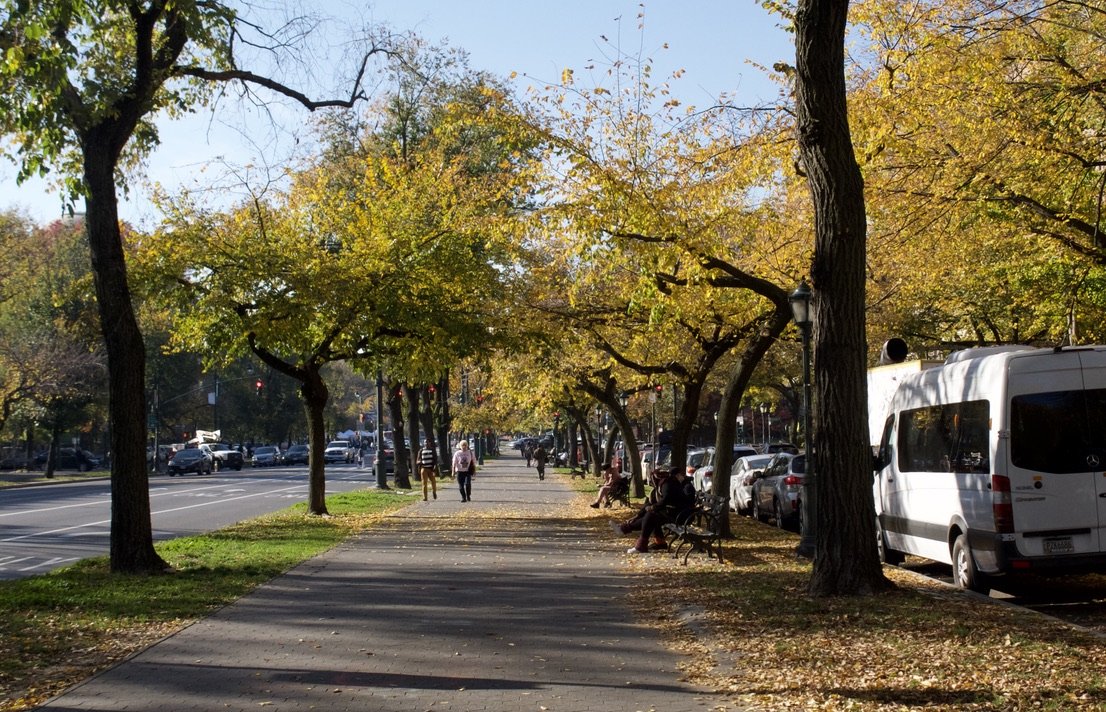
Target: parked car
696,457
192,459
338,451
773,448
225,457
68,458
703,476
296,455
776,494
387,457
14,458
743,474
266,456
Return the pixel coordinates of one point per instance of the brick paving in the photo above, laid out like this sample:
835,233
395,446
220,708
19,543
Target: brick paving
435,609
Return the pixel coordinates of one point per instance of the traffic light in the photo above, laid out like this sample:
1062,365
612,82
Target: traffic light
659,388
260,386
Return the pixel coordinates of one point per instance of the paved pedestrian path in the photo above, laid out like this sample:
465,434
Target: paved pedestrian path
505,603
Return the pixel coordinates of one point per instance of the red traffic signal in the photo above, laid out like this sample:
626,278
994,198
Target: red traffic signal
659,388
431,388
260,385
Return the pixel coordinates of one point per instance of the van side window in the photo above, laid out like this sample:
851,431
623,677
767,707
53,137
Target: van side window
885,449
945,438
1056,432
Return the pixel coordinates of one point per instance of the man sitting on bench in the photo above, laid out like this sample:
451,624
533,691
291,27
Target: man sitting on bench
673,500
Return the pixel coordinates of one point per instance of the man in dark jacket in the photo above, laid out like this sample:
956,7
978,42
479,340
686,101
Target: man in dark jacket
673,499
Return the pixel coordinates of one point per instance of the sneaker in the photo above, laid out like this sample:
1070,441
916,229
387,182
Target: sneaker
635,550
658,546
594,505
617,528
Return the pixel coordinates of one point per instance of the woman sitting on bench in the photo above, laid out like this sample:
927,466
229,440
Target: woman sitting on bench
613,486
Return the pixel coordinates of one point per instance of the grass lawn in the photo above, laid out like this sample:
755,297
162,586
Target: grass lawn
61,627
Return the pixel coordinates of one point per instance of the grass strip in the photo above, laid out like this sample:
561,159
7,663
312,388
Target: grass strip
61,627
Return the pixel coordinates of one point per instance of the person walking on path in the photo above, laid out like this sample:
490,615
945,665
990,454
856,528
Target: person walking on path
464,467
539,460
428,467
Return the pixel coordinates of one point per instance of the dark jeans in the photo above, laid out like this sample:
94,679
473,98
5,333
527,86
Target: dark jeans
651,526
464,483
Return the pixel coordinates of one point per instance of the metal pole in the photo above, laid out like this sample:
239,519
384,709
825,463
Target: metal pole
809,509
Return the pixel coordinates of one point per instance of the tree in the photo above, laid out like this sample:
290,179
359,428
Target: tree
672,228
381,260
48,324
978,124
79,87
845,558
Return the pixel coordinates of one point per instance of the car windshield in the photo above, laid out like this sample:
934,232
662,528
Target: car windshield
265,450
337,443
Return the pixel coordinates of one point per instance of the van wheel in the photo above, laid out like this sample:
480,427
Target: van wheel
964,572
886,555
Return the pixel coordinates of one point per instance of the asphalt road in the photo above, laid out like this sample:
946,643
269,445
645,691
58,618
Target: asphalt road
47,526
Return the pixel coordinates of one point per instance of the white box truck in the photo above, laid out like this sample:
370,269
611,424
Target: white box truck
994,462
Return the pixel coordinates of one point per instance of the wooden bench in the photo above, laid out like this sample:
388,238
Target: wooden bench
622,494
702,529
580,472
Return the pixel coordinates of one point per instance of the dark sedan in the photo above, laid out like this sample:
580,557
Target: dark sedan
296,455
266,456
191,459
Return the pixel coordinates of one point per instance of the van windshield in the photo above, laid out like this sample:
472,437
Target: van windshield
1059,431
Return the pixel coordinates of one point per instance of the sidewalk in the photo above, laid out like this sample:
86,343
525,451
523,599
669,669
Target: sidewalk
501,604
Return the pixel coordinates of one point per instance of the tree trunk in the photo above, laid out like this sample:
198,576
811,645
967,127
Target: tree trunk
443,423
399,447
845,558
132,543
412,396
315,396
51,463
730,407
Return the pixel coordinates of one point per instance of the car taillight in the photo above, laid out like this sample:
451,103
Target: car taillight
792,480
690,470
1002,504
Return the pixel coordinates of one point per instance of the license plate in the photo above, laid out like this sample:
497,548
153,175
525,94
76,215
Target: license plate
1061,545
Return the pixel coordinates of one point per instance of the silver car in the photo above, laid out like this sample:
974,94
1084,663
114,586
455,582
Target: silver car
703,477
743,474
776,493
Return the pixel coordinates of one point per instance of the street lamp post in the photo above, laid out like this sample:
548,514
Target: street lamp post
800,310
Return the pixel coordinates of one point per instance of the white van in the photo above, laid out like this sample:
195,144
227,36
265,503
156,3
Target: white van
995,463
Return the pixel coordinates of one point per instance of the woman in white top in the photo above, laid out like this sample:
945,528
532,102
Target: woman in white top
464,466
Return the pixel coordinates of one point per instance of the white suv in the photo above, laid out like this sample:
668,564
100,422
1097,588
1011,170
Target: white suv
338,451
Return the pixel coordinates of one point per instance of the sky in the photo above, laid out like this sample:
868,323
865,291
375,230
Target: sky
713,41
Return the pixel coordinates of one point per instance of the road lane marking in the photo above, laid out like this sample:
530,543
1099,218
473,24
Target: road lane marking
159,492
160,511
